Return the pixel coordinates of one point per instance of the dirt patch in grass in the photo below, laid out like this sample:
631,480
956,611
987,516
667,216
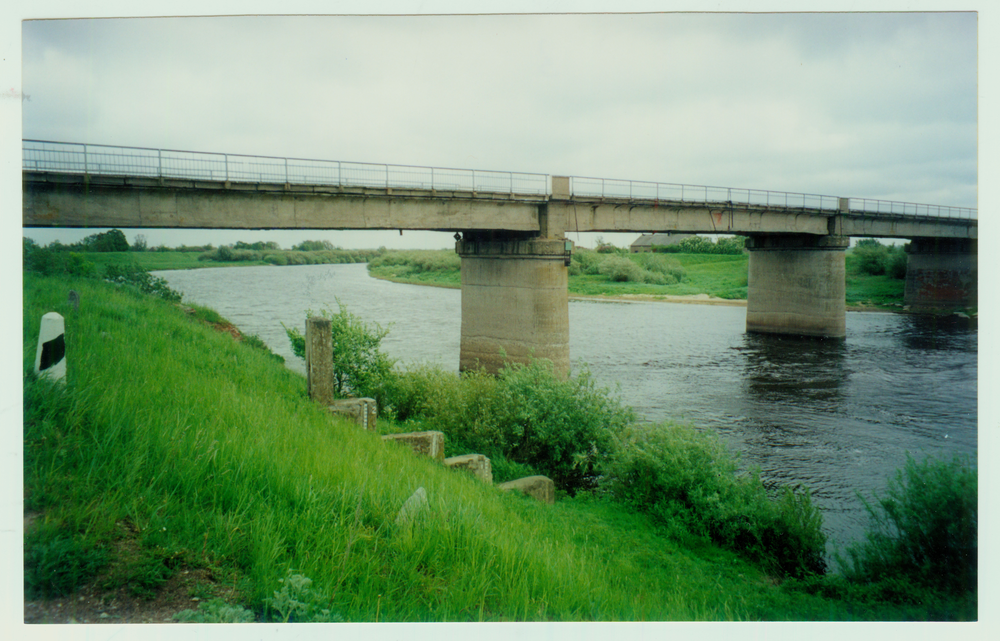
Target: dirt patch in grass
120,594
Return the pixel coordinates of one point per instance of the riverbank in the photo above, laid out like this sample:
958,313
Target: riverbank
164,471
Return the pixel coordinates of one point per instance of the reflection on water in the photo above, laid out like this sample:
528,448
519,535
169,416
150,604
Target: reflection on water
838,416
779,369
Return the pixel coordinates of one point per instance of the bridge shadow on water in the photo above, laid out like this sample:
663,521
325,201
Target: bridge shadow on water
792,369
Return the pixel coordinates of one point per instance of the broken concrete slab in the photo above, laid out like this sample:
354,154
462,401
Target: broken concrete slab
539,487
477,464
428,443
363,411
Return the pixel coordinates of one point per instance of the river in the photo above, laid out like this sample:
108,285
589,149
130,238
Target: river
838,416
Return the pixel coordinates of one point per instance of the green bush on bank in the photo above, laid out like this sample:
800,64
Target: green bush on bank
524,414
627,268
871,257
688,480
923,530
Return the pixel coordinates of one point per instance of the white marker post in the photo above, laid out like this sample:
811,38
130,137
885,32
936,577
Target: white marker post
50,359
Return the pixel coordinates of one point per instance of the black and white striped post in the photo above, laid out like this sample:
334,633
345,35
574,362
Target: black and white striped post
50,359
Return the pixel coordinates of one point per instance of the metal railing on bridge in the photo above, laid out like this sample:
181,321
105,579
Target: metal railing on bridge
724,196
82,158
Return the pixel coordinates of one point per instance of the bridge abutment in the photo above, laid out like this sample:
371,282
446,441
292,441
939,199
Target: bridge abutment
941,274
796,285
515,303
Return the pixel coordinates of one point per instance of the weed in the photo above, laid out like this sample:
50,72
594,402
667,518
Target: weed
216,611
297,602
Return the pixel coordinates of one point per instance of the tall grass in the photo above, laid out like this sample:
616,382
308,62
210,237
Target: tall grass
209,452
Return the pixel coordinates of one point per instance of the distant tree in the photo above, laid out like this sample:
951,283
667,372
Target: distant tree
139,243
112,240
314,246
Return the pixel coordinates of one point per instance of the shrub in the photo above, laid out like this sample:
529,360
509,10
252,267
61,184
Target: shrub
359,368
298,602
216,611
870,257
526,414
135,275
923,530
689,482
48,262
896,263
620,269
662,269
586,261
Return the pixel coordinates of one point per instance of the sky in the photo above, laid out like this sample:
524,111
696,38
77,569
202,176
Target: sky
875,105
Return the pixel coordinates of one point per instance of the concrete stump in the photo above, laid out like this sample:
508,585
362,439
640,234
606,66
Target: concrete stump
363,411
476,464
424,443
319,360
50,357
539,487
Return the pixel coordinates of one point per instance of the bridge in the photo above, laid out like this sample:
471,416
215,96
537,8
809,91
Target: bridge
512,229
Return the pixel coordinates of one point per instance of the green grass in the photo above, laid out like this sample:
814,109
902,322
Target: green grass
150,260
211,455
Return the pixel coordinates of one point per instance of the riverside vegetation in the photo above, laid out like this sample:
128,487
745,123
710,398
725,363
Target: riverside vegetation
695,266
875,272
174,451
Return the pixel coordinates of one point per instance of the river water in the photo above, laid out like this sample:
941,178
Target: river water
836,416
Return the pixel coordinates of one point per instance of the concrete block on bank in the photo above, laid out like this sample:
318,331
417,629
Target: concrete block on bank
477,464
414,505
539,487
425,443
363,411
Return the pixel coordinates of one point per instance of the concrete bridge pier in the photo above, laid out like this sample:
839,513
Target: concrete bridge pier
941,274
796,285
515,303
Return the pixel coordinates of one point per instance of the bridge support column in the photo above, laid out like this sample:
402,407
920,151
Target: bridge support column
515,305
941,274
796,285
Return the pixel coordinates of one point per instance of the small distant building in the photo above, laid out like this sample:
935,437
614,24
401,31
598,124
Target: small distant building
646,242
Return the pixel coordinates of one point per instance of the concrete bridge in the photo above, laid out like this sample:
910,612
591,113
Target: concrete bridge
511,229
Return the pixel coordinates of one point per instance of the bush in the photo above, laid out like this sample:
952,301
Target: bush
48,262
667,269
896,263
688,481
359,368
525,414
216,611
870,257
699,245
585,261
620,269
136,276
923,530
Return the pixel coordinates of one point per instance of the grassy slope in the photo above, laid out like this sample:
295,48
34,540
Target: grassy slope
212,453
